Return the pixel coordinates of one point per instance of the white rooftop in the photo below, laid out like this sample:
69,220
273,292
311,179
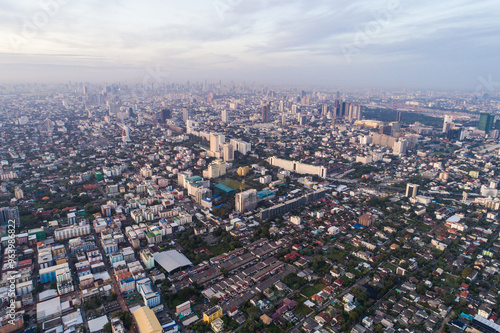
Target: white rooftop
48,308
96,325
171,260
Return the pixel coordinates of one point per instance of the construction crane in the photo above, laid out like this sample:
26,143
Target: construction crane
243,183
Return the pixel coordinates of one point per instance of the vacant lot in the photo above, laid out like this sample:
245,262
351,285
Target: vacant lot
311,290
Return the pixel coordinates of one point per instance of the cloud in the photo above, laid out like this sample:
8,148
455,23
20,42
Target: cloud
395,41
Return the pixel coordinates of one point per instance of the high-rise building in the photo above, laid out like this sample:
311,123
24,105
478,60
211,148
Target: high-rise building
448,123
49,125
215,142
411,190
399,116
185,114
246,200
302,119
9,213
241,146
18,193
324,110
266,113
125,134
485,122
228,152
224,116
215,169
400,147
366,219
385,129
456,134
354,112
165,114
343,109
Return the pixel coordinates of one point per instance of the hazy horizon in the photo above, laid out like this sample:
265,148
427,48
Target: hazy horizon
388,45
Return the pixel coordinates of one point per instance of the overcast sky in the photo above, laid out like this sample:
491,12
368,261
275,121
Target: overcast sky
420,44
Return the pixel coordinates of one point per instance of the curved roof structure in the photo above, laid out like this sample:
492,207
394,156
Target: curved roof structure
172,260
147,321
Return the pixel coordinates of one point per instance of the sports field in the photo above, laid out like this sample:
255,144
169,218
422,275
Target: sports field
233,184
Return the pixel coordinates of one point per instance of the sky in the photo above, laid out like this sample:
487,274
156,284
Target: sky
394,44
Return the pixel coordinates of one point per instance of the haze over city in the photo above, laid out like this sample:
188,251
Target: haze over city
367,44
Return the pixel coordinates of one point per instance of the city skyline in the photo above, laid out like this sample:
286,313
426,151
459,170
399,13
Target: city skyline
394,44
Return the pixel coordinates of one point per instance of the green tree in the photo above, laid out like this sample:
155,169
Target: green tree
107,328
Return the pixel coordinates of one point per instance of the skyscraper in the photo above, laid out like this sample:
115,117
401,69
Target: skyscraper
343,108
266,113
185,114
485,122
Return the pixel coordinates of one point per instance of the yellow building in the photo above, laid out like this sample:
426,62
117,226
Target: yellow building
146,321
212,314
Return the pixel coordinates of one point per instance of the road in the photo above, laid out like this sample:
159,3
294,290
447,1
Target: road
116,287
445,320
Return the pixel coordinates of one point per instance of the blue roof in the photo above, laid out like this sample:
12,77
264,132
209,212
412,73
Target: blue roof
467,316
265,193
194,178
128,280
358,226
224,188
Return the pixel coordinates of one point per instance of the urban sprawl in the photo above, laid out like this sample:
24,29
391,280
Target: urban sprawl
228,207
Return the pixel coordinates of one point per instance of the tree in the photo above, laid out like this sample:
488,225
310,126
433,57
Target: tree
201,327
125,317
466,272
107,327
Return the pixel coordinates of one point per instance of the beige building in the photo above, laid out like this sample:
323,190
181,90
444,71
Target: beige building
146,321
215,169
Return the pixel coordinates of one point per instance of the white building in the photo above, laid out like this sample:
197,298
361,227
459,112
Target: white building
246,200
